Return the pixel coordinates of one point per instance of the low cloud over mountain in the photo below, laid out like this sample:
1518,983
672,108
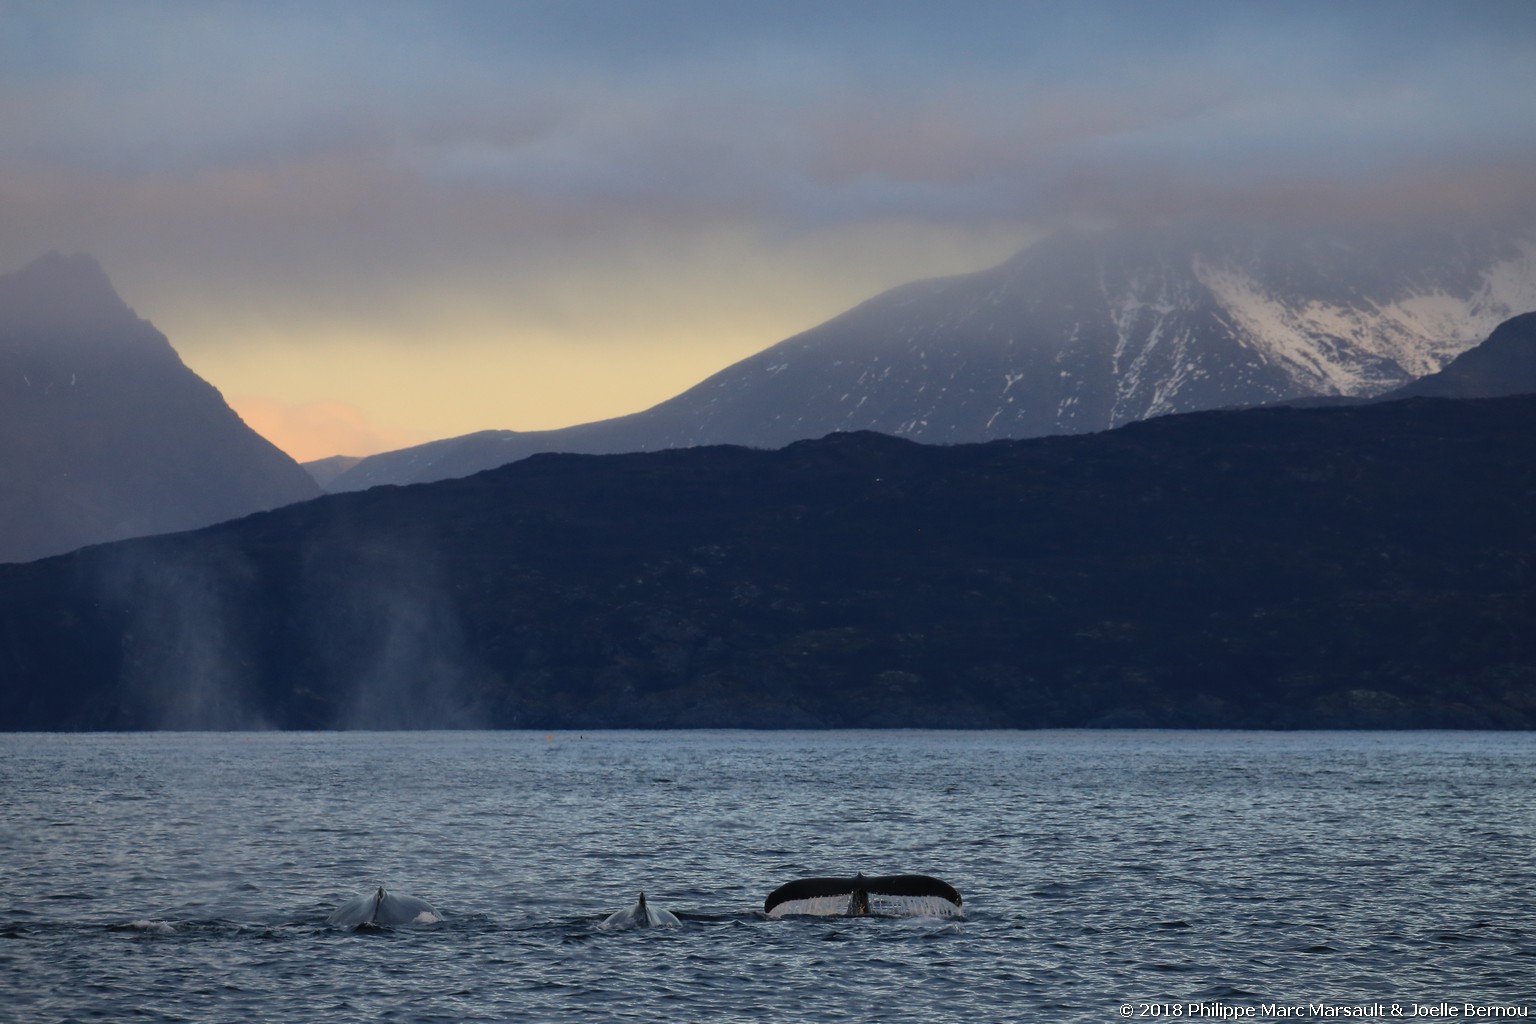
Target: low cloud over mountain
104,432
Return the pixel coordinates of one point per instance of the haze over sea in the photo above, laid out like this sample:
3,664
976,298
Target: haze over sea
188,876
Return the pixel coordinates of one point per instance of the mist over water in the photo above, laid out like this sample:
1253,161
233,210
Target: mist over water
392,639
183,655
189,876
388,646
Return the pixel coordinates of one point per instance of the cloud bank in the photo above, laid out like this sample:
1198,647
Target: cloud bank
477,180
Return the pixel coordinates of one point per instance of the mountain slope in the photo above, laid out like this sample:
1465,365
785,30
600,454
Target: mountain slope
104,432
1505,364
1080,333
1366,565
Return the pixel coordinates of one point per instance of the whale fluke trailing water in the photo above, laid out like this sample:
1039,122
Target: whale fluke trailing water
895,896
641,915
381,909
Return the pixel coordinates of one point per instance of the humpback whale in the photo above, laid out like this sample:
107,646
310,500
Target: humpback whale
641,915
911,896
383,909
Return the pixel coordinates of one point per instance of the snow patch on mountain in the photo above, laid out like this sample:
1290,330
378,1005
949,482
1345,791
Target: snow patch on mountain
1509,288
1303,340
1371,347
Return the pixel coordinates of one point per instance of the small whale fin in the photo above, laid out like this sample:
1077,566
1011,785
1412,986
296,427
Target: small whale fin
641,915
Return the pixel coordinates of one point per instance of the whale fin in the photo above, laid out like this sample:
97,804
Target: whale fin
911,895
641,915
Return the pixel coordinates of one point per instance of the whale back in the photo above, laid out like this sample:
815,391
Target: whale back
383,909
655,918
396,910
641,915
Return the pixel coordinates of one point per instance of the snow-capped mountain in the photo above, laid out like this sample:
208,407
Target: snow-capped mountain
1079,333
104,432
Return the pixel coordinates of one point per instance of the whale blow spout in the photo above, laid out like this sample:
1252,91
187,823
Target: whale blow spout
893,896
383,909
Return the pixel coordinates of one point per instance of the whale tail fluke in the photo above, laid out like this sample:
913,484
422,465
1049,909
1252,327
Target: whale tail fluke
882,895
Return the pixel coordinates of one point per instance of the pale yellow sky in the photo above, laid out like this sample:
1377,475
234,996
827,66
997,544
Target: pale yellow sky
553,348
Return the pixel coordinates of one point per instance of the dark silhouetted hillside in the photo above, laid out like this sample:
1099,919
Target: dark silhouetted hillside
1367,566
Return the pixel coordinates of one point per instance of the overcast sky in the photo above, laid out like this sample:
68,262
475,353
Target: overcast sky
374,223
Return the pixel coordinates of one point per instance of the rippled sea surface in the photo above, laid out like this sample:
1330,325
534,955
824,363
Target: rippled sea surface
187,877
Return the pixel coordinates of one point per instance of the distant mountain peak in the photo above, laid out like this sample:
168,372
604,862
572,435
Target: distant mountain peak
77,264
60,294
104,432
1081,332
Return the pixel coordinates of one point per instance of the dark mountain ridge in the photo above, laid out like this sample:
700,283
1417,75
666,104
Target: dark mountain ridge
104,432
1366,566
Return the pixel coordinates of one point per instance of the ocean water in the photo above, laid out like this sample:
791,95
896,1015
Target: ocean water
1106,875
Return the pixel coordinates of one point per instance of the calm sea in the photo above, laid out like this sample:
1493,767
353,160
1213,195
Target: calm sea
187,877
